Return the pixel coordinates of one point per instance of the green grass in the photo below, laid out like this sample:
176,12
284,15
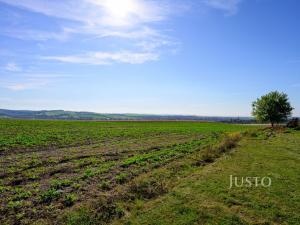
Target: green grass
202,196
24,134
77,172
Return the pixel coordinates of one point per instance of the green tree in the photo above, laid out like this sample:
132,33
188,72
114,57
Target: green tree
273,107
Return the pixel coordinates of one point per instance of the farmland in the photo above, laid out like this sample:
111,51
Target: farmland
80,172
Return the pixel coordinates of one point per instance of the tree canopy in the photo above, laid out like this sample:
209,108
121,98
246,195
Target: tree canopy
273,107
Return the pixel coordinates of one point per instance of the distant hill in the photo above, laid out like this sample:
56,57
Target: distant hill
71,115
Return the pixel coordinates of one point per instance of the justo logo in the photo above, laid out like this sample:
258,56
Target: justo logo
250,182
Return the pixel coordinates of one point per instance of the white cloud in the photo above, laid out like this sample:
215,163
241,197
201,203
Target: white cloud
229,6
131,21
101,12
12,67
99,16
103,58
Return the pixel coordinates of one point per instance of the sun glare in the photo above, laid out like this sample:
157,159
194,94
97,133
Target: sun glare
120,8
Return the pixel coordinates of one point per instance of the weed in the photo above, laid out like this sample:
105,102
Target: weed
22,195
70,199
76,186
58,184
105,185
229,142
102,211
15,204
147,188
106,209
50,195
31,176
3,189
121,178
88,173
34,162
208,156
82,216
211,153
19,216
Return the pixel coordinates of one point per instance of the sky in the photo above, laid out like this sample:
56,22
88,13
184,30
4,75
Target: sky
191,57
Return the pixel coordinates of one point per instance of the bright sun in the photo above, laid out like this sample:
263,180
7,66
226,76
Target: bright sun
120,8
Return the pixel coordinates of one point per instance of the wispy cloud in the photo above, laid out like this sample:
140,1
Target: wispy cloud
30,81
37,35
21,86
29,84
98,12
230,7
12,67
131,21
103,58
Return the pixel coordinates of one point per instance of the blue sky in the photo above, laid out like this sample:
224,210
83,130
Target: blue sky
199,57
